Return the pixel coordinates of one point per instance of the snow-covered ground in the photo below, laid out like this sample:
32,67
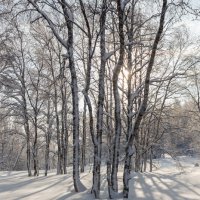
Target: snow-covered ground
178,180
171,181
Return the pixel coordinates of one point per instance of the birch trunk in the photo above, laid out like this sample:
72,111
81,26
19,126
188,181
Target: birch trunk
129,83
109,107
98,147
28,151
48,138
35,148
143,105
46,156
25,115
59,165
64,130
150,157
84,140
74,87
118,127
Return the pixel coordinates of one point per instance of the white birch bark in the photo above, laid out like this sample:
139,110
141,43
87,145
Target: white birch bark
68,14
101,96
143,105
118,127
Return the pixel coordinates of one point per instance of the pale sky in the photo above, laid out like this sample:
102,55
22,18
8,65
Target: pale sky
191,24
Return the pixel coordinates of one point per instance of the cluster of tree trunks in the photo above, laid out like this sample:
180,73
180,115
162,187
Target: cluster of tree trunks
114,45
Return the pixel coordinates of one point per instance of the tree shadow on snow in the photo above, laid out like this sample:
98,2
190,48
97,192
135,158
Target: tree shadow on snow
43,189
151,186
16,186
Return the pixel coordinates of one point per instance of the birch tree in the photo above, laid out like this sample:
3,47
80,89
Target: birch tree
143,105
67,12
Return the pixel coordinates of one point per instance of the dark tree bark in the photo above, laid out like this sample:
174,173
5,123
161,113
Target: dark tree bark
48,135
68,14
100,104
118,126
83,151
143,104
